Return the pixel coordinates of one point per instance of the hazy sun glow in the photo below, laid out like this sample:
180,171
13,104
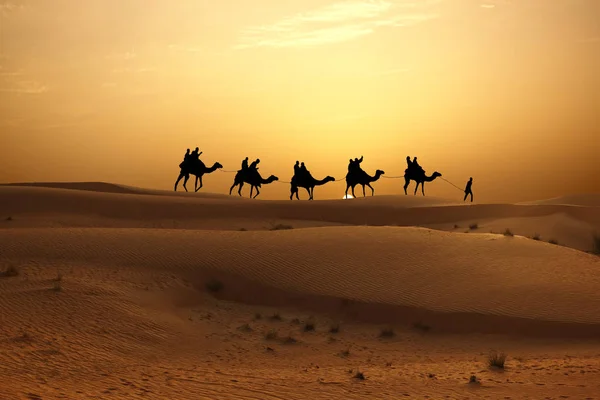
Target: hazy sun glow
105,90
347,196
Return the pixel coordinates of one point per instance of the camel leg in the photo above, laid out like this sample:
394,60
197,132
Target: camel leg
181,175
309,195
251,190
257,192
312,193
185,182
372,190
292,192
353,195
347,187
423,188
199,187
406,183
240,189
417,187
364,195
231,188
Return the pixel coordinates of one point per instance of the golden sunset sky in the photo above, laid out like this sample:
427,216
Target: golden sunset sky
506,91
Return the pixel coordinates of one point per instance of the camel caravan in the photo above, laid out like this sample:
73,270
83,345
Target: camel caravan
248,174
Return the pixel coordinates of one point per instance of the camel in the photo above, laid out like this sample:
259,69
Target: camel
420,179
309,184
253,179
362,178
198,171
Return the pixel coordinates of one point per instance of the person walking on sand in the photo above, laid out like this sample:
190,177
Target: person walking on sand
468,190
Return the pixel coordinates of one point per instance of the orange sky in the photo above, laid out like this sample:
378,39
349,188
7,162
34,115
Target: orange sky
505,91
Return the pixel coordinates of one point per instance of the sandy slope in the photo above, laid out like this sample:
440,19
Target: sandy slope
111,299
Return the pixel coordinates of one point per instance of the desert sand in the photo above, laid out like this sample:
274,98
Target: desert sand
121,292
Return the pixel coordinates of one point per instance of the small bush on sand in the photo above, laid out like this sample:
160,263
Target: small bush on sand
496,360
473,379
456,226
243,229
214,286
295,321
473,226
387,332
280,227
596,244
309,327
334,328
9,218
507,232
344,353
536,236
10,271
359,375
553,241
257,316
271,335
421,326
275,317
57,286
289,340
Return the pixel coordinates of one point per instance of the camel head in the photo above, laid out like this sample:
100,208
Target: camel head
217,165
435,175
379,173
329,179
271,179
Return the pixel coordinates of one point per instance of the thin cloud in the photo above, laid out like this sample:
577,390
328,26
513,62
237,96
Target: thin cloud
338,22
391,72
19,86
185,49
8,7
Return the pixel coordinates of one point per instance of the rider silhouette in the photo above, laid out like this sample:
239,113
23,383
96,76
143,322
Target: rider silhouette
354,165
303,171
416,167
254,165
245,164
409,164
186,159
297,169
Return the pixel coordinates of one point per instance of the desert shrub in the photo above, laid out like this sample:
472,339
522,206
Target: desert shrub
553,241
334,328
387,332
359,375
421,326
507,232
295,321
309,326
280,227
9,218
473,226
456,226
243,229
596,244
214,286
275,317
10,271
536,236
271,335
344,353
257,316
289,340
496,360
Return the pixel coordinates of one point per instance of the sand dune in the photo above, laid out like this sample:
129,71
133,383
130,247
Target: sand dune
482,273
587,200
113,296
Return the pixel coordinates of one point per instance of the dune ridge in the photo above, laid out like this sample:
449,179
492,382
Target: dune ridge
485,274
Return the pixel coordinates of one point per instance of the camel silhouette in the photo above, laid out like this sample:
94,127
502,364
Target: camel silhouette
198,171
308,183
361,178
420,179
252,178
